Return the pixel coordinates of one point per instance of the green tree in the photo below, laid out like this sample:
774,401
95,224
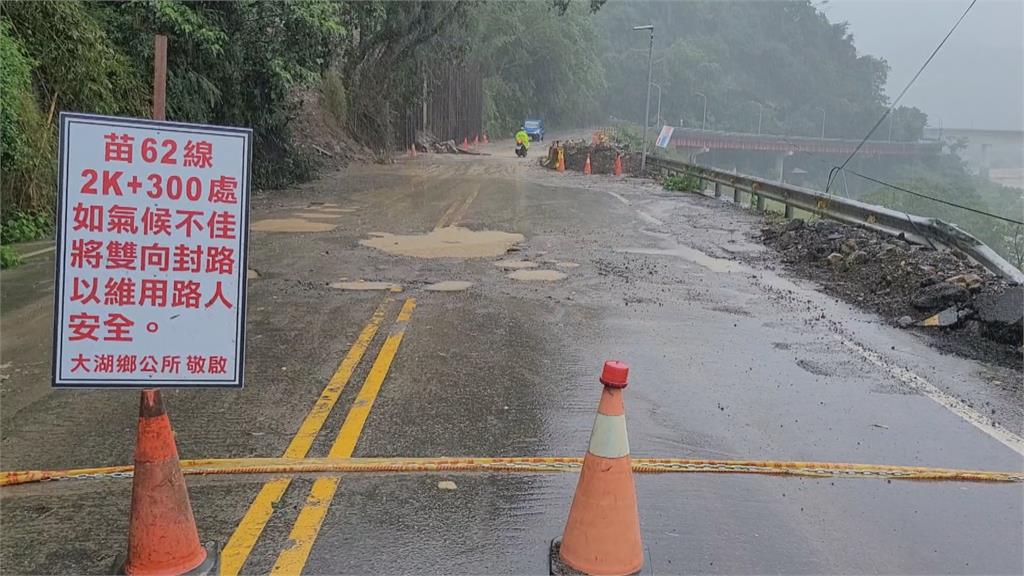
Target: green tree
785,56
537,63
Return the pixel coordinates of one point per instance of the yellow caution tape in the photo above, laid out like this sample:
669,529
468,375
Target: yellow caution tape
547,464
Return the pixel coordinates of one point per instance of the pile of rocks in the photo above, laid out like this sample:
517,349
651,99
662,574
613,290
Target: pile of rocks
906,283
425,141
602,156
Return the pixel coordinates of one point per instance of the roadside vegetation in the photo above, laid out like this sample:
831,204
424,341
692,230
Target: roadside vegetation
681,183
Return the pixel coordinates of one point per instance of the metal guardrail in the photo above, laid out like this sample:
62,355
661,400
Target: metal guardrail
916,229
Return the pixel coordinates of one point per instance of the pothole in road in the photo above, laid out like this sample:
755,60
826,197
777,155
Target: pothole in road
448,242
691,254
537,275
560,264
515,264
815,368
290,225
363,285
315,215
449,286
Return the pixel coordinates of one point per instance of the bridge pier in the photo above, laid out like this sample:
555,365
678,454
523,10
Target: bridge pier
780,166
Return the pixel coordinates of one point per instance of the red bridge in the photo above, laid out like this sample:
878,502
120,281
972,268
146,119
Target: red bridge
690,139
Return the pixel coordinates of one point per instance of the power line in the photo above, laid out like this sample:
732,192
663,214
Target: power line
939,200
888,111
912,192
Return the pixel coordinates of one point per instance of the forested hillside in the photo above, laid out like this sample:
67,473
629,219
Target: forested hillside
782,60
367,64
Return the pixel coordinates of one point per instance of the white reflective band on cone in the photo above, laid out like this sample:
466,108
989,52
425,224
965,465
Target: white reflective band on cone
608,439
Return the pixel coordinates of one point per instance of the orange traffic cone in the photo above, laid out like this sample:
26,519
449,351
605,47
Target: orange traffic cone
602,535
486,141
618,164
162,535
465,142
586,165
560,166
476,139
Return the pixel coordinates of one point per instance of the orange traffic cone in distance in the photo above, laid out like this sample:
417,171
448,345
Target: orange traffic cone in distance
465,142
486,141
162,535
602,534
618,164
561,160
586,165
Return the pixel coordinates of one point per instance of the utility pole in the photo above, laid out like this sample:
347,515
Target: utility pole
647,107
160,77
760,112
658,115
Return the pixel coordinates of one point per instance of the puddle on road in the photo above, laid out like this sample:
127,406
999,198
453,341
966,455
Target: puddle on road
449,286
290,225
315,215
537,275
362,285
691,254
515,264
448,242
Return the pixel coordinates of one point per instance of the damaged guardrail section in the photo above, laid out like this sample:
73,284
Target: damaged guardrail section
916,229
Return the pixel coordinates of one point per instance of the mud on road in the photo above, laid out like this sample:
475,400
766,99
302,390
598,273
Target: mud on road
904,284
730,359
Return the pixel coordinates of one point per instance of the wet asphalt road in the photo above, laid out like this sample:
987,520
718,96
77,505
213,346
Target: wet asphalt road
730,360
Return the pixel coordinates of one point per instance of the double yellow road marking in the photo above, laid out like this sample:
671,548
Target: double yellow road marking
457,211
307,525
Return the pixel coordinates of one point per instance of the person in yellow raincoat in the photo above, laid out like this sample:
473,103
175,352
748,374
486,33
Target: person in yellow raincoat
522,138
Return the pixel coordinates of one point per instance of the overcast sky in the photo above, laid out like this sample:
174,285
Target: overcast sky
976,80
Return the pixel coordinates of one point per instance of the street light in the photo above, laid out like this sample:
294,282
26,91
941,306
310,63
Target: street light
940,126
892,117
704,121
658,115
647,108
760,112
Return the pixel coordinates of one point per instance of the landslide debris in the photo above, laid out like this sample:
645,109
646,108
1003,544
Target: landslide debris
602,156
907,284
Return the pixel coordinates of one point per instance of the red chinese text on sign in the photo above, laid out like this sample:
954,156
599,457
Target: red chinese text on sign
150,287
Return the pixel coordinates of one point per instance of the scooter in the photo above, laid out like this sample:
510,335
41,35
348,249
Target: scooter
520,150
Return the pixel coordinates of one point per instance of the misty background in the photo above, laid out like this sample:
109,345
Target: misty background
976,80
325,75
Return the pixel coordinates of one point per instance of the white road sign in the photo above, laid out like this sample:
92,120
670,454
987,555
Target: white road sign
151,253
664,137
